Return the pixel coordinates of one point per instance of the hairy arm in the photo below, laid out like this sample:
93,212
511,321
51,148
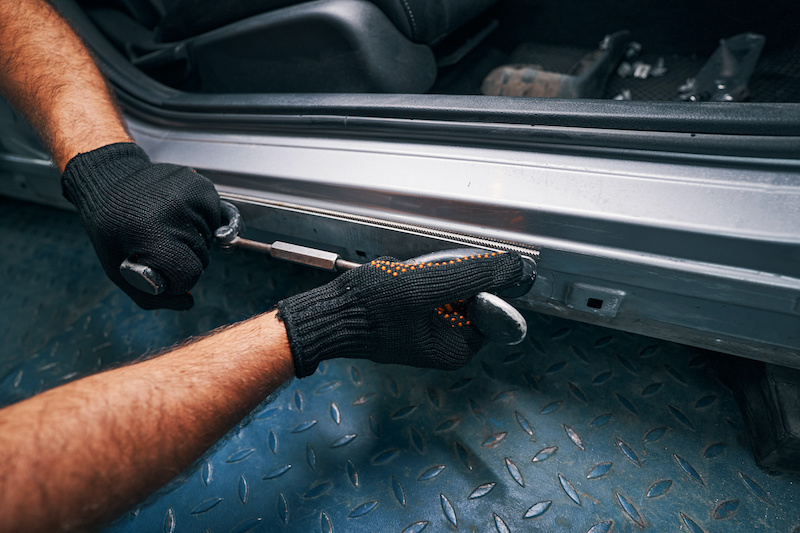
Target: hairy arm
48,75
79,455
164,215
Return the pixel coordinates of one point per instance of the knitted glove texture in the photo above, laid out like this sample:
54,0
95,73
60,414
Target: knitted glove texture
162,215
395,312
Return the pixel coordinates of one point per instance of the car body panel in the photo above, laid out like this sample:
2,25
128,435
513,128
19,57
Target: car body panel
675,220
700,250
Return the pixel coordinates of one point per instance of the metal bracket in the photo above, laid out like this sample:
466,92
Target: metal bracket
593,299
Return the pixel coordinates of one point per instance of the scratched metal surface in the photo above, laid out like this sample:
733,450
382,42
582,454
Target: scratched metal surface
577,429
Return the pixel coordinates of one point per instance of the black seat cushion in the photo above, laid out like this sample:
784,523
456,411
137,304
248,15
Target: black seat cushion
422,21
428,21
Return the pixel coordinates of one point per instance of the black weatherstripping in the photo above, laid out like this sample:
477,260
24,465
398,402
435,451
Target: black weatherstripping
769,130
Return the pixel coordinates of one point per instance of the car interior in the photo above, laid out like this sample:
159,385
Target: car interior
712,50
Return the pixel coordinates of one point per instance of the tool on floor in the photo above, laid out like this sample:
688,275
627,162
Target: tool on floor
493,317
587,79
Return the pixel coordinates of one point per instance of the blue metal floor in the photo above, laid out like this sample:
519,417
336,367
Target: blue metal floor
578,429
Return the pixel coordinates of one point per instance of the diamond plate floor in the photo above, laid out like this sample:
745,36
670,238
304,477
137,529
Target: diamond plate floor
577,429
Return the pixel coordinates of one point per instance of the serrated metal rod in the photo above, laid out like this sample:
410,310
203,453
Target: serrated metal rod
455,237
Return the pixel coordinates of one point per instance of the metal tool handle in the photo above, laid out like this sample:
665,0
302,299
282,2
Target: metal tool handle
146,279
492,316
142,277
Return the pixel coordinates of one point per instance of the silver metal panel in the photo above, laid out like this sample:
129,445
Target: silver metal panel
696,249
701,250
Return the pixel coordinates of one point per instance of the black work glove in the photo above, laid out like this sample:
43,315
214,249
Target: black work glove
394,312
162,215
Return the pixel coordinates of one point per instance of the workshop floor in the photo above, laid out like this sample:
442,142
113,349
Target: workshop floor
579,428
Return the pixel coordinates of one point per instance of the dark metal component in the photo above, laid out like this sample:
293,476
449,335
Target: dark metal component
497,320
247,244
725,75
296,254
142,277
230,230
587,79
525,284
341,264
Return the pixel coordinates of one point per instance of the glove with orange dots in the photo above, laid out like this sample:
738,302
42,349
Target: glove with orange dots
390,311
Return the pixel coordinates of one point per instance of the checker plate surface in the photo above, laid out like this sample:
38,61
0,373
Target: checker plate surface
577,429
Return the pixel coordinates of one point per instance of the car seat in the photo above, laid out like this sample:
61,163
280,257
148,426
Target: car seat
235,46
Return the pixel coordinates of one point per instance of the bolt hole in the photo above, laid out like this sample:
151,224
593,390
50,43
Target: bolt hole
594,303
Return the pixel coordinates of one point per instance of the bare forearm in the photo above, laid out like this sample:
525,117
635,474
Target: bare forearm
50,77
112,438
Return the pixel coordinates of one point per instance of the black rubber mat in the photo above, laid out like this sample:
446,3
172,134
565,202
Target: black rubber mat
577,429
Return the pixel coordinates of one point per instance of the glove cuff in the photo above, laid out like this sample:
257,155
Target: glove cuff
89,171
323,324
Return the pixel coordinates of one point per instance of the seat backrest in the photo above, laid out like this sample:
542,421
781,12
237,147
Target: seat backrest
421,21
174,20
429,21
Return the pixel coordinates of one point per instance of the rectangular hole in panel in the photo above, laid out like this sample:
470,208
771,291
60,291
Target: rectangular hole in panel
594,303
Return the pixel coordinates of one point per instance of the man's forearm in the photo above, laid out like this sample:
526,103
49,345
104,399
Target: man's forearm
84,452
50,77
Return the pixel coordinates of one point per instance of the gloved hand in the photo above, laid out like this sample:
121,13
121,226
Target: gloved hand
394,312
162,215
